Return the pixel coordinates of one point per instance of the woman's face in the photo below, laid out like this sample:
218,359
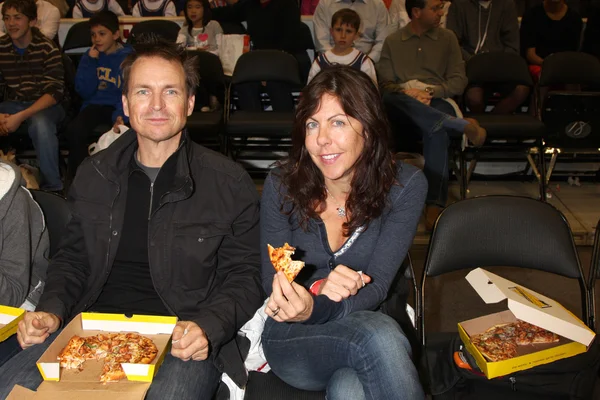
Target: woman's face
195,11
334,140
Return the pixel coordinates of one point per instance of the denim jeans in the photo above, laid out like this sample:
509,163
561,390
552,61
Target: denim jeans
175,379
8,349
364,355
42,129
433,123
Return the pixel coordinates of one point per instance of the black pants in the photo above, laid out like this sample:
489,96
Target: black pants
82,132
280,94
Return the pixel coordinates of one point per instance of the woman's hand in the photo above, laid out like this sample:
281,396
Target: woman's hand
342,283
289,302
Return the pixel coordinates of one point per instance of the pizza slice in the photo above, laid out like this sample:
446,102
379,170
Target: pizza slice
530,334
71,356
112,370
281,258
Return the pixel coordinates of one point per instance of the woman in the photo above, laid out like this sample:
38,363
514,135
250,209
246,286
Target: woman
340,199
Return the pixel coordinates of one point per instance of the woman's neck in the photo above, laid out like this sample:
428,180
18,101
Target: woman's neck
339,189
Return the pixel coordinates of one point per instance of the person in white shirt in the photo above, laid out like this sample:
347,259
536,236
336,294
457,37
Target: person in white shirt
86,8
398,16
375,25
48,20
154,8
344,30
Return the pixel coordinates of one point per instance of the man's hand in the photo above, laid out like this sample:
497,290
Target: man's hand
118,121
419,94
342,283
189,342
10,123
94,53
35,328
289,302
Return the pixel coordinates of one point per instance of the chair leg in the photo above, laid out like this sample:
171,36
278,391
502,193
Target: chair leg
544,181
463,176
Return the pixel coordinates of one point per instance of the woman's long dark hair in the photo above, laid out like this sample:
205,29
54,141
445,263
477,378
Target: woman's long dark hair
206,16
374,170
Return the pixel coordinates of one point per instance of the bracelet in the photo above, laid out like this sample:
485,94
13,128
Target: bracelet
314,288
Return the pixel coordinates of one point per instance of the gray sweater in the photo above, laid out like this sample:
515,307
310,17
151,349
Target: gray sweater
24,243
212,29
471,21
378,251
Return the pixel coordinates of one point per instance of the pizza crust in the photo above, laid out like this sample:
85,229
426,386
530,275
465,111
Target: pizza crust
281,258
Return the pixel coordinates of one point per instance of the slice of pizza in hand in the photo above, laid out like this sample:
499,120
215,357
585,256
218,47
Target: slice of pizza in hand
281,258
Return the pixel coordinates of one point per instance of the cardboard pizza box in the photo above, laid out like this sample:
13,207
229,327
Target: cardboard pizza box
529,306
59,381
9,320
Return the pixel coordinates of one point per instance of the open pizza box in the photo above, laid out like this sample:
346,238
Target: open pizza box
61,383
529,306
9,321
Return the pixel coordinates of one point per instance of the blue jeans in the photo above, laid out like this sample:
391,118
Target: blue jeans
364,355
175,379
42,129
8,349
433,123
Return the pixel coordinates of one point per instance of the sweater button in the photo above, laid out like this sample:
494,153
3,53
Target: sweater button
200,240
115,233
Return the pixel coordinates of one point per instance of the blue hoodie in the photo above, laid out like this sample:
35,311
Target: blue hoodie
98,81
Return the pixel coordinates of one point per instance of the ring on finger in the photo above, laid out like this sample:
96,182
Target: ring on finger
276,311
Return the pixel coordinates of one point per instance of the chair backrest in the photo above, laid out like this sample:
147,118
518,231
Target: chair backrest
594,274
166,29
233,28
57,215
502,231
570,68
209,66
498,68
266,65
78,36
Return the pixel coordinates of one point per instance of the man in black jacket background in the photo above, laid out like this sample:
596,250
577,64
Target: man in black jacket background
160,226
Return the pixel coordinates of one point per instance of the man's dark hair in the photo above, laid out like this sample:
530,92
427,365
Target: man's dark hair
107,19
26,7
346,16
150,45
410,4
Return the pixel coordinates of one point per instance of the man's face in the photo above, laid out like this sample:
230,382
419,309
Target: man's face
431,16
156,102
17,24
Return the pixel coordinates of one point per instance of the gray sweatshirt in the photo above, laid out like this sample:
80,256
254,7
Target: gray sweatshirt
24,243
495,28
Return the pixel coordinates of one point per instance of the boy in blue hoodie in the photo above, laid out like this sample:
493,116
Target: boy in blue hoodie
98,82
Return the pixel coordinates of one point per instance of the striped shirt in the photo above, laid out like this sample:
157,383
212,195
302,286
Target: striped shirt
37,72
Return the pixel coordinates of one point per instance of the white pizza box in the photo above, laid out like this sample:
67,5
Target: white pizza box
9,321
139,376
529,306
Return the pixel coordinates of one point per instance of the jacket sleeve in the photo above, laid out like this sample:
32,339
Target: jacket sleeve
54,74
385,69
86,78
240,294
15,254
509,33
455,75
399,227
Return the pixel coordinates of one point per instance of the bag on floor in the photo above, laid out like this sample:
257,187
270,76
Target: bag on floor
231,47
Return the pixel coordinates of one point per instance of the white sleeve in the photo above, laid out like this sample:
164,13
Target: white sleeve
314,70
77,11
321,24
170,11
368,68
135,11
181,37
114,7
50,21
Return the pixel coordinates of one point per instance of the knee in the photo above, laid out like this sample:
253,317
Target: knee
380,335
474,96
344,384
521,92
41,127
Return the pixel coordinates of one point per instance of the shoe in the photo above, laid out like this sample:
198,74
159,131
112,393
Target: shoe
431,215
475,133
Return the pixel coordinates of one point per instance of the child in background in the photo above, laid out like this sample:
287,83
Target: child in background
154,8
344,30
87,8
98,82
199,30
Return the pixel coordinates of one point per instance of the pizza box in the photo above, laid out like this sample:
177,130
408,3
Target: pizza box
529,306
139,376
9,321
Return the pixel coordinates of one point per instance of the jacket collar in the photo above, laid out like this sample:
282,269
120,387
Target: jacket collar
407,33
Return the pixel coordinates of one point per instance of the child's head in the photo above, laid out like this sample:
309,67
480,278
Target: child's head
196,11
19,17
104,27
344,28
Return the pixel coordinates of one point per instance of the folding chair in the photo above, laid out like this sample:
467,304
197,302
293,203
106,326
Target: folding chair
572,118
57,216
593,275
515,133
78,37
498,231
166,29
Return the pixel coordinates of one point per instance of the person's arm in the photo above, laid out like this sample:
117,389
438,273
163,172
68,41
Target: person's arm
368,68
77,11
50,23
239,295
314,70
509,32
86,78
182,37
135,11
114,6
528,38
382,30
399,227
170,10
288,22
574,34
385,70
321,25
455,75
233,12
454,23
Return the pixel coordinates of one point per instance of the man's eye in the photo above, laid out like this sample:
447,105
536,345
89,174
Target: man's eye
171,92
143,92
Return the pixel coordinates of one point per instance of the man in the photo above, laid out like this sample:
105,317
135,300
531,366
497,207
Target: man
48,20
486,26
375,27
420,67
160,226
35,96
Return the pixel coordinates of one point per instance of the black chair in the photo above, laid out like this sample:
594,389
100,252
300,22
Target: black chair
593,275
497,231
518,132
572,117
78,37
206,128
166,29
57,216
261,135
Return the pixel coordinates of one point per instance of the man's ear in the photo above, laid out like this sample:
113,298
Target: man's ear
125,105
191,103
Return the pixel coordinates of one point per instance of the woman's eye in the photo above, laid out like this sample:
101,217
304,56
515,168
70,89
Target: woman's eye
311,125
338,123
